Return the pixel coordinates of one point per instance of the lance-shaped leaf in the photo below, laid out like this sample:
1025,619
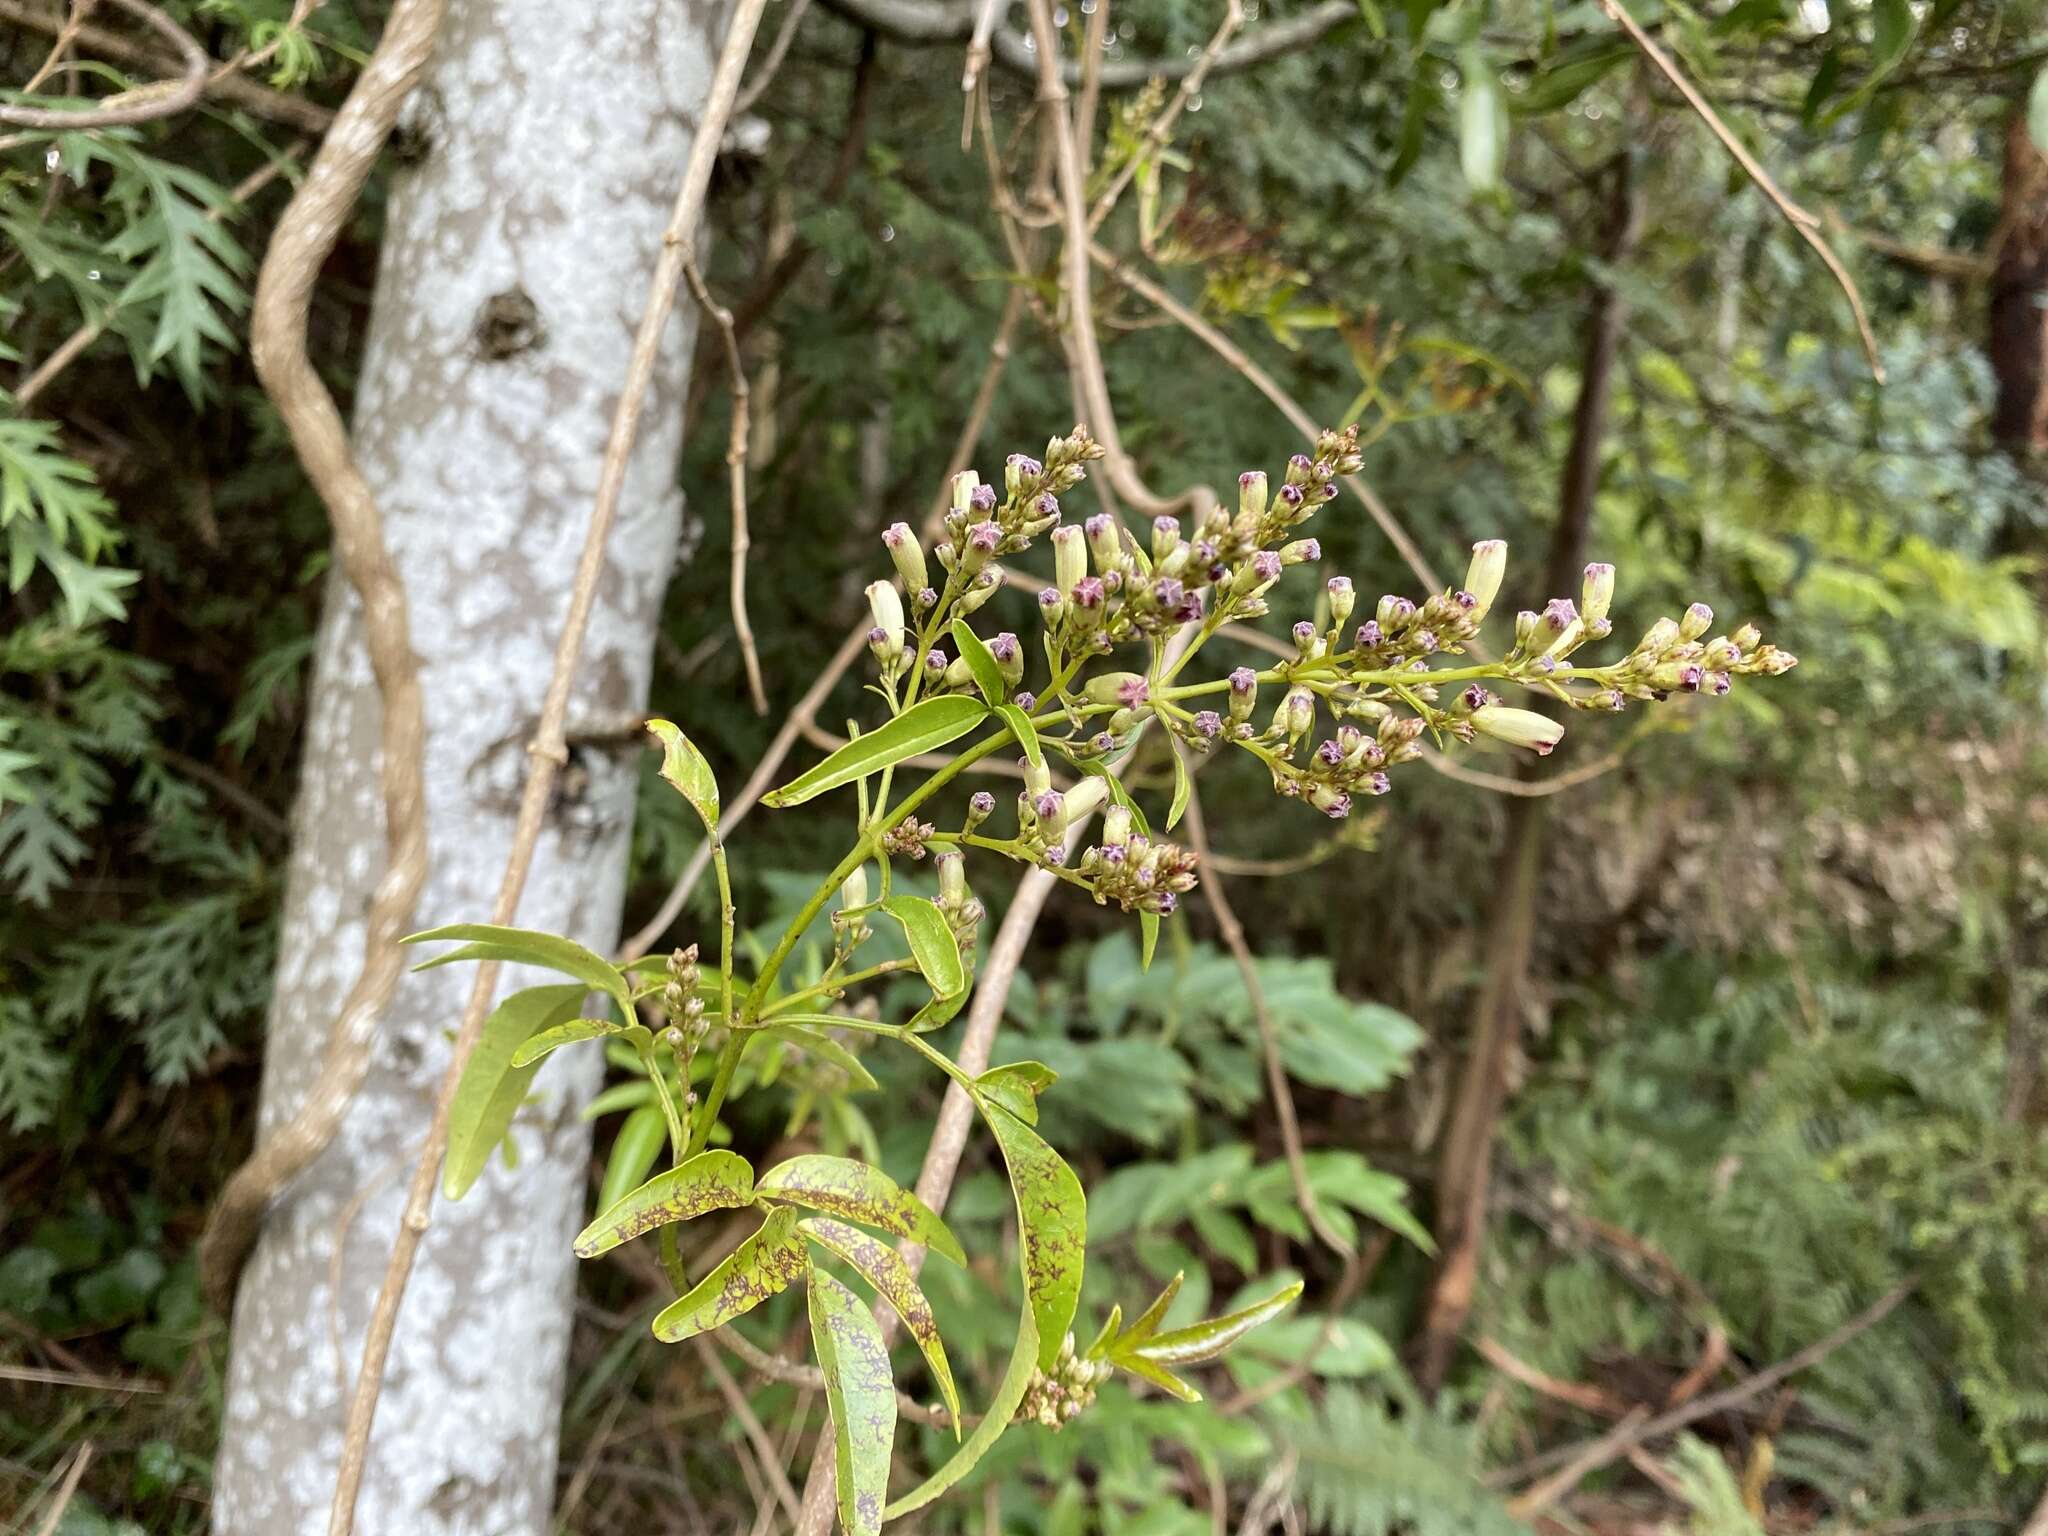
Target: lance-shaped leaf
862,1395
822,1046
495,1081
1183,786
852,1191
1052,1224
710,1181
988,677
1147,1322
1026,733
768,1262
569,1032
522,946
1206,1340
642,1135
1158,1376
1017,1086
1009,1395
923,727
932,944
684,766
883,1268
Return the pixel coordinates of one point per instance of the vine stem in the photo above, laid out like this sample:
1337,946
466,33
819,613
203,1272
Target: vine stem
548,751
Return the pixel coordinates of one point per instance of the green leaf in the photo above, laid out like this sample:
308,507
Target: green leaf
2037,111
494,1082
920,728
1016,1087
1570,75
521,946
1052,1223
710,1181
569,1032
1182,788
1206,1340
932,944
1892,29
764,1264
1026,733
863,1398
1147,1322
1009,1395
641,1137
839,1186
1482,122
883,1268
1159,1377
1148,930
1422,100
988,677
825,1048
684,766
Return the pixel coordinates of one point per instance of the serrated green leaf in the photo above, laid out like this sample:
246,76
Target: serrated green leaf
883,1268
1206,1340
988,677
932,944
1009,1395
768,1262
854,1191
1052,1225
1026,733
522,946
642,1135
494,1083
684,767
923,727
1017,1086
863,1398
710,1181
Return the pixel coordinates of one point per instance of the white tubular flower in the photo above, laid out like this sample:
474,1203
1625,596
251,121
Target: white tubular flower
1086,798
1069,559
1598,595
1519,727
1484,575
887,609
908,554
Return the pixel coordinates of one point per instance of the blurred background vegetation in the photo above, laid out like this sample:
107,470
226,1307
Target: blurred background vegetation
1775,1051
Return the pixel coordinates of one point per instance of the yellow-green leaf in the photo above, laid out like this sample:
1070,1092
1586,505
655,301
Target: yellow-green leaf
853,1191
710,1181
1206,1340
862,1395
1026,733
932,944
988,677
764,1264
1052,1224
684,766
642,1135
568,1032
825,1048
883,1268
1009,1394
521,946
1017,1086
923,727
495,1081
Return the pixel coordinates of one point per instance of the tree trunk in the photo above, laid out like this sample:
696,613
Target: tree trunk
2018,339
514,268
1464,1165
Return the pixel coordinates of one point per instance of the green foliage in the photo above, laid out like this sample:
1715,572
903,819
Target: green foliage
1373,1464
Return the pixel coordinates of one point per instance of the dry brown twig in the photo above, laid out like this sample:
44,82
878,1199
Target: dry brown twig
1592,1456
304,238
547,751
778,50
144,104
750,1424
1803,222
66,1490
736,477
809,1377
80,10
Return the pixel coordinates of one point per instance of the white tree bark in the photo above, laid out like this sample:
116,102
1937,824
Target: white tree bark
545,147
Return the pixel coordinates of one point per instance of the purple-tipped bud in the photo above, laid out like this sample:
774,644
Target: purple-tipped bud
1558,614
1004,647
1243,680
1026,702
1331,801
1304,636
1697,620
984,497
1301,552
1369,636
935,661
982,540
1690,677
1475,697
1484,575
1291,495
1251,493
981,805
1168,593
1049,804
1341,600
1300,464
907,554
1049,598
1331,753
1047,505
1718,683
926,598
1088,593
1393,612
1266,565
1069,558
1599,592
1426,641
1025,465
1163,902
1209,724
1464,600
1376,783
1105,542
878,636
1102,741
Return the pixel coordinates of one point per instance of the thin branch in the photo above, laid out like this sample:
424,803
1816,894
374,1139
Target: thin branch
305,236
1594,1455
1803,223
986,14
1580,1395
85,1382
1160,127
1277,1087
778,50
1530,789
793,1373
547,751
736,473
144,104
66,1490
750,1424
80,9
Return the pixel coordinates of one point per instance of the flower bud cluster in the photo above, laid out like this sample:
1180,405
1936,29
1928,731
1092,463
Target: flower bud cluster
1065,1391
1134,871
682,1001
1350,763
907,839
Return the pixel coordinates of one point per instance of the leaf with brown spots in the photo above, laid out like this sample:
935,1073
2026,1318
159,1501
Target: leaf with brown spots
768,1262
839,1186
1052,1220
883,1268
710,1181
862,1394
1017,1086
1015,1383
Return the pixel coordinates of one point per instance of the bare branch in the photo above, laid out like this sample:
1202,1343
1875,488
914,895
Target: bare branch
777,52
144,104
1160,127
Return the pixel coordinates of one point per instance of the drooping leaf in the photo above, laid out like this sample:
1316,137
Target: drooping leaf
923,727
710,1181
862,1394
988,677
1009,1394
641,1137
494,1083
1148,934
1016,1087
883,1268
769,1261
824,1047
521,946
568,1032
1052,1225
854,1191
1206,1340
684,766
1026,733
932,944
1182,788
